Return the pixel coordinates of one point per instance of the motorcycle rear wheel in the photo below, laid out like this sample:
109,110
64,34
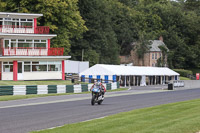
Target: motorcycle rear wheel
99,102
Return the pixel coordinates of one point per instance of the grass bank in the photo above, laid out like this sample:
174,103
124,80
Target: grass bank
17,97
184,78
182,117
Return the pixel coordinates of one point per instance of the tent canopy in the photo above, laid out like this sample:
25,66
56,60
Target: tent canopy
102,69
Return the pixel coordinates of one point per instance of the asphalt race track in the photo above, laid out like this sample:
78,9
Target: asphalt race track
22,116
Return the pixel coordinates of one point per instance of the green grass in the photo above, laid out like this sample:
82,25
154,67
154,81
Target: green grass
184,78
17,97
49,82
182,117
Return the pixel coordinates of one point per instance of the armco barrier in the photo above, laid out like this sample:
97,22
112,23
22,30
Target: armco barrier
46,89
84,87
61,89
6,90
19,90
69,89
77,89
108,86
89,86
52,89
31,89
42,89
118,85
113,86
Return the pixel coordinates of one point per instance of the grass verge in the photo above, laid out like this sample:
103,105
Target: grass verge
17,97
181,117
184,78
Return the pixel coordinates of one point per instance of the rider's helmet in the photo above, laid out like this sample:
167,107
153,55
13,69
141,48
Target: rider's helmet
98,83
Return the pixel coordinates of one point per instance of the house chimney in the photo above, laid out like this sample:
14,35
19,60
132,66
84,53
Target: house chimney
161,38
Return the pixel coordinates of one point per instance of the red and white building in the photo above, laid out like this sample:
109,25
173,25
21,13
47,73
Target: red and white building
25,52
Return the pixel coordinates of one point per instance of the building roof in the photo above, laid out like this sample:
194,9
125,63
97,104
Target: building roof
30,58
102,69
19,15
155,45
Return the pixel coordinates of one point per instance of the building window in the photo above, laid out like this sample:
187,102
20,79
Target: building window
7,66
39,68
54,66
155,55
152,55
16,23
42,66
27,66
24,43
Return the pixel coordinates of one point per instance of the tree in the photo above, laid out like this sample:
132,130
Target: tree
162,61
143,46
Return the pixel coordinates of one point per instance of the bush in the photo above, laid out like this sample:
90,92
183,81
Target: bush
183,73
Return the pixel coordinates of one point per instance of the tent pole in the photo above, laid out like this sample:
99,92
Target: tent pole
125,81
155,80
120,79
160,79
133,80
129,80
164,79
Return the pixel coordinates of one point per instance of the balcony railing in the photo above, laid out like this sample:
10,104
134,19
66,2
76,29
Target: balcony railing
24,29
30,51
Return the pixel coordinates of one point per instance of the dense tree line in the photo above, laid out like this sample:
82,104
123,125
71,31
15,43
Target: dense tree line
105,29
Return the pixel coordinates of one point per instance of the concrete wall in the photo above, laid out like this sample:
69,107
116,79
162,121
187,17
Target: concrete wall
191,84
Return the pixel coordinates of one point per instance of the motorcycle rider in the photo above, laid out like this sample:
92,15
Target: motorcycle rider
100,86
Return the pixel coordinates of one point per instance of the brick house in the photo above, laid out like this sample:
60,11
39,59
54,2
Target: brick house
150,58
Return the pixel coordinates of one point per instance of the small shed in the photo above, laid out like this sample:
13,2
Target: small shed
130,75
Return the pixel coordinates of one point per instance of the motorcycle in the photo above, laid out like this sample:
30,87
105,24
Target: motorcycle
96,96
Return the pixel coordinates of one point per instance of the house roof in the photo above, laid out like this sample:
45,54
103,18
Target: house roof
102,69
155,45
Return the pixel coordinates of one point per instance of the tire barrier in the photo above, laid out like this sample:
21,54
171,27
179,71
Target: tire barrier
49,89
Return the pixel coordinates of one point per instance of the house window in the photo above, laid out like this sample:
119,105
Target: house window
17,23
28,23
54,66
7,43
27,66
155,55
152,55
38,68
7,66
42,66
1,21
22,43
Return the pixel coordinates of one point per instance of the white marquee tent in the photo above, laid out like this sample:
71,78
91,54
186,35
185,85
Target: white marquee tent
102,70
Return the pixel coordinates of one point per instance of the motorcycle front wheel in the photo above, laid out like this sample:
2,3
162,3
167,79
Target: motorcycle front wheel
93,100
